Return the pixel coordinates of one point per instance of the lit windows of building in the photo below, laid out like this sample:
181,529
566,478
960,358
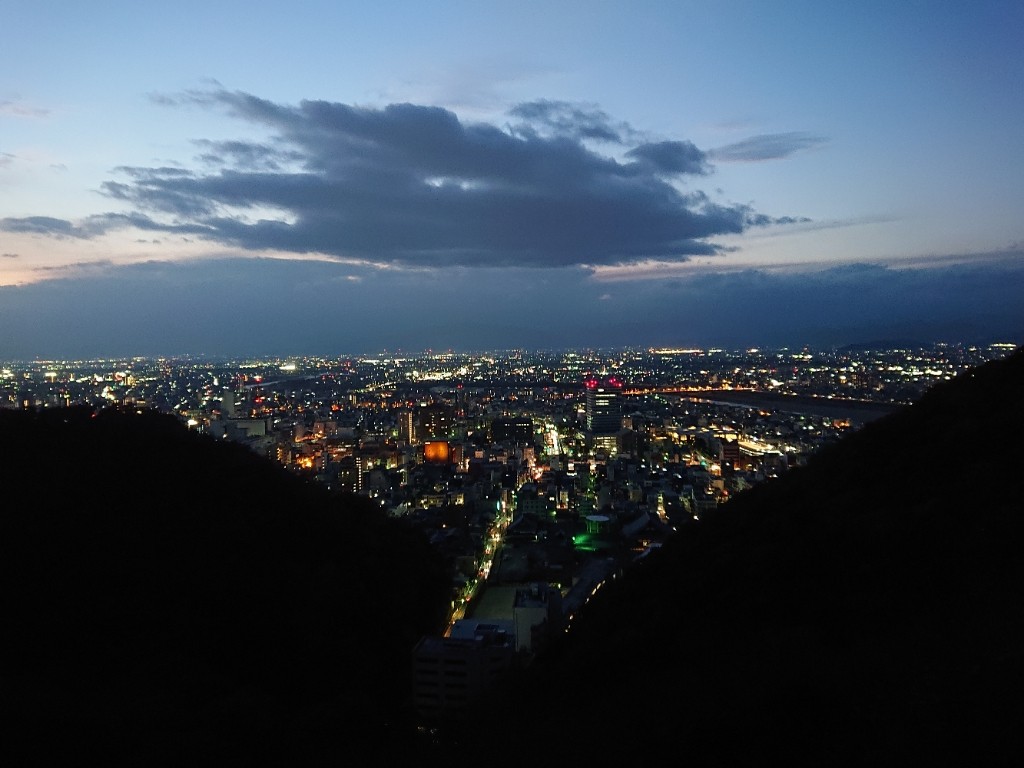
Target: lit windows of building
604,410
434,421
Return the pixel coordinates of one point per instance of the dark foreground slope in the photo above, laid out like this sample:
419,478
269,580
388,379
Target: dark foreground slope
169,599
865,610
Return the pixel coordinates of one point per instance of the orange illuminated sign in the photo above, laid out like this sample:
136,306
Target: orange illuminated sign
437,450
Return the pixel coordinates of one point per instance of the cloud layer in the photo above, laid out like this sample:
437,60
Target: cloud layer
415,185
316,307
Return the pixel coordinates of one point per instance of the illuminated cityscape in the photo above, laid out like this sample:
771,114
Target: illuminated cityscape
523,468
522,430
537,477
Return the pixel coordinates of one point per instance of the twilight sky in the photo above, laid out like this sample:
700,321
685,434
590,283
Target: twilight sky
330,178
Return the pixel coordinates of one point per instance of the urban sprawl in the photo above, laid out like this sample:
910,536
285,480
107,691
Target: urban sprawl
537,474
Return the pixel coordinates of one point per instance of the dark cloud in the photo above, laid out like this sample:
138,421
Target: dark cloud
562,118
241,154
854,303
97,224
769,146
672,157
8,256
193,307
416,185
42,225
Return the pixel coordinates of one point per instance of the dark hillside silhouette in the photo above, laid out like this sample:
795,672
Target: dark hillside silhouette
865,610
170,597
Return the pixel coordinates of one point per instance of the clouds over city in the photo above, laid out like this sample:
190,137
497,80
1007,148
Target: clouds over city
325,307
557,185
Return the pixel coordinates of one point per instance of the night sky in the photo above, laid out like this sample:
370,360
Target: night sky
327,178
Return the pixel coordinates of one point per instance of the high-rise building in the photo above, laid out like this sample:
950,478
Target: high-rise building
604,411
434,422
406,427
362,468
